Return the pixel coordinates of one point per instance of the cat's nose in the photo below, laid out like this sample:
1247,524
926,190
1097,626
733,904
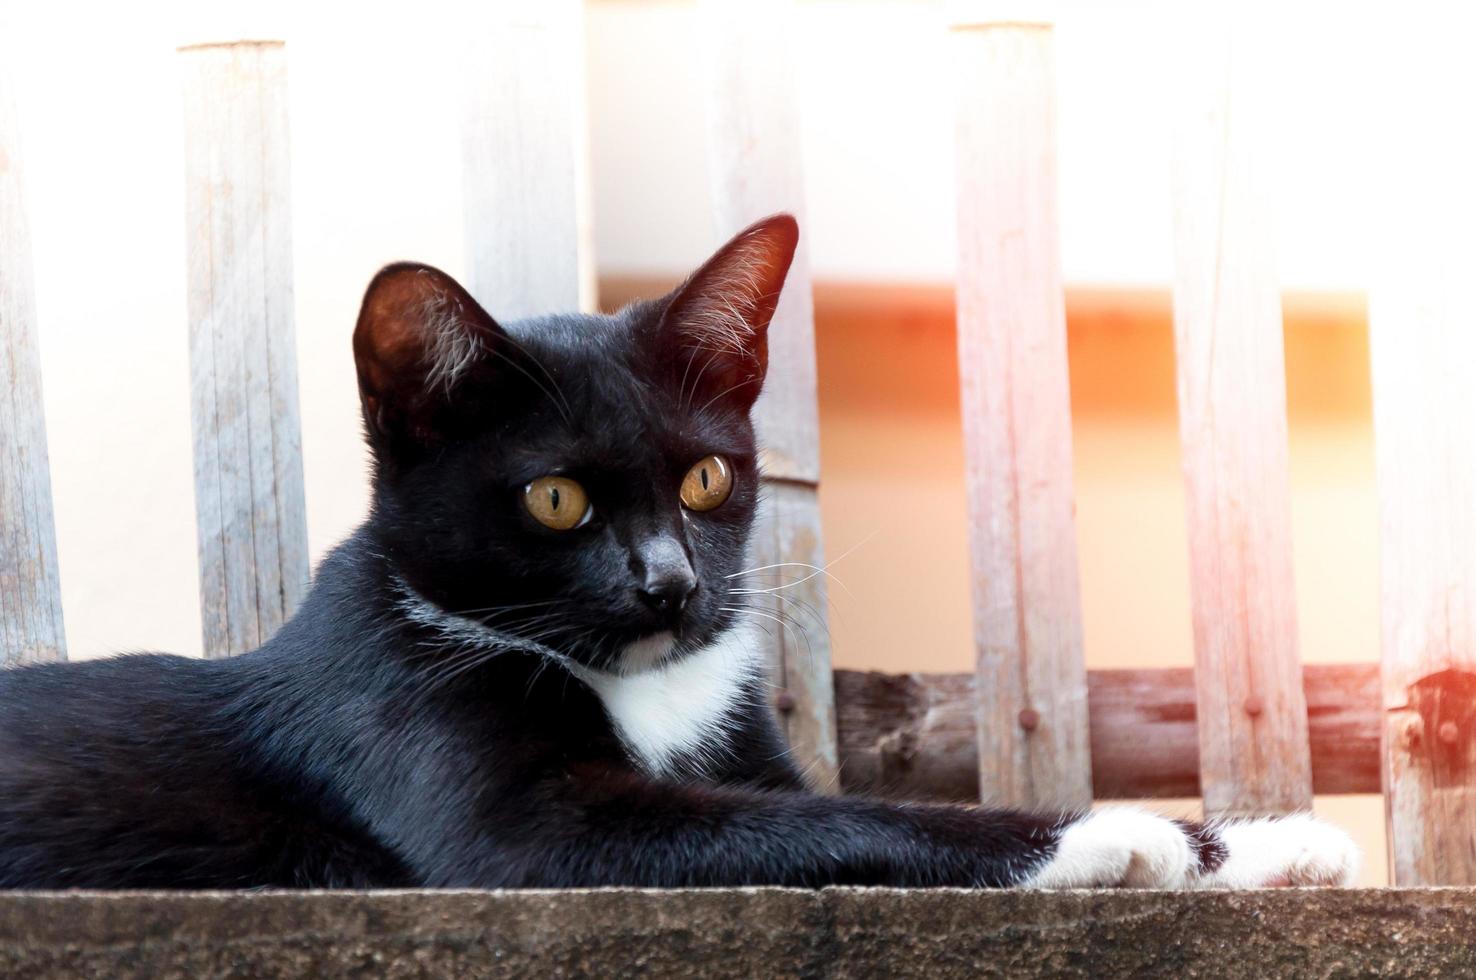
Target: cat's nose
665,575
669,594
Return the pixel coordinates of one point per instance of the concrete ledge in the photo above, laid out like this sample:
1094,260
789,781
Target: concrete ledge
739,932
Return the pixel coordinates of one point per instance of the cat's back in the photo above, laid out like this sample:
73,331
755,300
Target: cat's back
126,772
38,689
76,712
90,715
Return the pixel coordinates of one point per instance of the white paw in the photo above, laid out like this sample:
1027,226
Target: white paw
1117,847
1281,852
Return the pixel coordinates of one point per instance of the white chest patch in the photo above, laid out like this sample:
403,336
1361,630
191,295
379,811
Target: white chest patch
680,711
669,714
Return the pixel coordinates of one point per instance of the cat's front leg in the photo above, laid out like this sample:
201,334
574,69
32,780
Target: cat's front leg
1127,847
604,826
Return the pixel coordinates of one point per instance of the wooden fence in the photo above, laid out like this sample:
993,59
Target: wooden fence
1249,729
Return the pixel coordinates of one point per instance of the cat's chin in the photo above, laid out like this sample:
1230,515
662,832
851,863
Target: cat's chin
647,653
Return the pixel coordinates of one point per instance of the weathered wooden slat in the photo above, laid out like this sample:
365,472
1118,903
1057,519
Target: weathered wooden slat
912,735
249,503
1423,352
1033,746
754,152
525,163
30,593
1232,419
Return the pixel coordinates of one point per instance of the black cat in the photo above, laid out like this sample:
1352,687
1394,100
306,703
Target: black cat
530,667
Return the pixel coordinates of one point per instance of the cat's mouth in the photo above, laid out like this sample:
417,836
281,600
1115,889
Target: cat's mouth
646,653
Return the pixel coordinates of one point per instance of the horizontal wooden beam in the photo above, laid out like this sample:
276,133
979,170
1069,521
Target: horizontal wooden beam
912,735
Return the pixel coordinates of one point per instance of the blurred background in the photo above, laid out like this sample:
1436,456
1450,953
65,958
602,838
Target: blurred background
376,178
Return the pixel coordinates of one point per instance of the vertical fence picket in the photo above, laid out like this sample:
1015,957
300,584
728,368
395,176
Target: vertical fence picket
1033,739
1423,352
30,593
1254,755
525,159
250,510
754,153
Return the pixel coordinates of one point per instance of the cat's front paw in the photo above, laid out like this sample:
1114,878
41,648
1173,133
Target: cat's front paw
1117,847
1278,852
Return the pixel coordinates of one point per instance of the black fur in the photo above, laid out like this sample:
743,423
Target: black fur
363,747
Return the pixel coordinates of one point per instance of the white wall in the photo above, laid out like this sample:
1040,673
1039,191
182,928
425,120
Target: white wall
374,154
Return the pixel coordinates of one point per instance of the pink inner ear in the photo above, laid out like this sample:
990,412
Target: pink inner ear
727,304
417,332
391,339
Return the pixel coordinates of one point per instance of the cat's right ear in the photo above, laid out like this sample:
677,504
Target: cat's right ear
715,327
419,336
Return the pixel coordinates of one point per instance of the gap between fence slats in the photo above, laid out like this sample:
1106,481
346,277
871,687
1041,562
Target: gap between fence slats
525,154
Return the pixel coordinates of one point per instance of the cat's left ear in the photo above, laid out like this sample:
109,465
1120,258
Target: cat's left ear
419,337
714,332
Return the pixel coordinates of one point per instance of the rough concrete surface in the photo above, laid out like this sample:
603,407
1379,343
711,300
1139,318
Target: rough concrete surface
751,932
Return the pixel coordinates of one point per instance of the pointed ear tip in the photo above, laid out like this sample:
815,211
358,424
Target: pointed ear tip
387,293
397,271
783,224
408,282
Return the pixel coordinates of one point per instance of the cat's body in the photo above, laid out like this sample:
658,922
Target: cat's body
488,688
331,757
163,771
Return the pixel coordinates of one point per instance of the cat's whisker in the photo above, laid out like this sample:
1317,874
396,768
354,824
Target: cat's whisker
788,623
558,401
684,398
504,608
808,606
515,630
687,402
725,392
816,571
472,654
473,657
568,410
776,617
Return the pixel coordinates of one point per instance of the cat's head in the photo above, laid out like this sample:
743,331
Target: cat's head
586,482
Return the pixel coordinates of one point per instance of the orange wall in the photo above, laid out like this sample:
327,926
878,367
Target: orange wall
894,504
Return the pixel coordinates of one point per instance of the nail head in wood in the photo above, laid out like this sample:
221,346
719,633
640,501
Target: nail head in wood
1029,719
784,701
1413,729
1254,706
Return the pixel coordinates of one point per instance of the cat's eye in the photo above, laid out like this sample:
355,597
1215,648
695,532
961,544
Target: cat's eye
707,484
557,502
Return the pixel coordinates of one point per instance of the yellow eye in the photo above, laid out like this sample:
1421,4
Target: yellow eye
557,502
707,484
